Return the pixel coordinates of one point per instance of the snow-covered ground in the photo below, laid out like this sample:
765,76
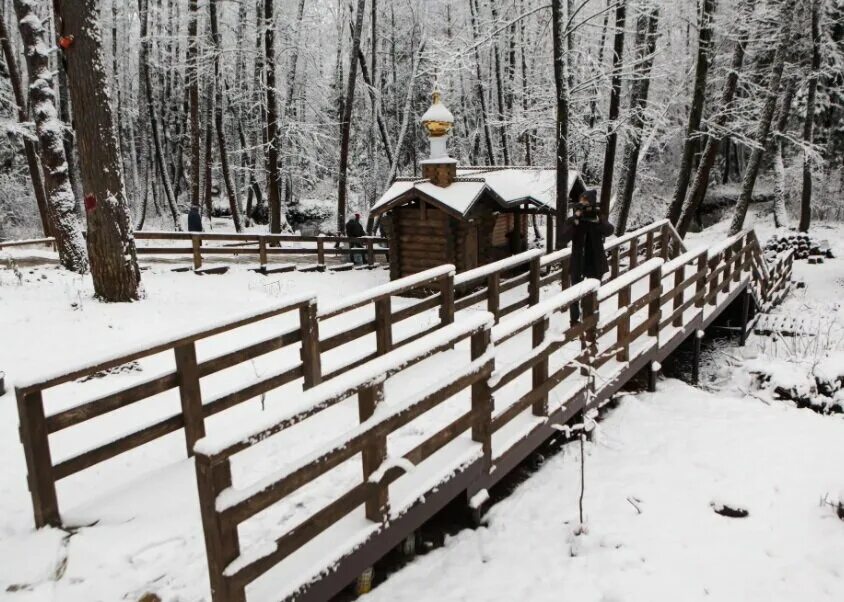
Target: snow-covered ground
677,452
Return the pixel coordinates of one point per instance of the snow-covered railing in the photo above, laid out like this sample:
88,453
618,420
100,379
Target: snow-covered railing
224,507
36,425
47,241
267,244
683,278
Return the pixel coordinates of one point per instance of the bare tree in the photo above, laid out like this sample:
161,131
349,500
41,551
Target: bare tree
273,137
615,101
192,76
61,206
809,120
559,16
704,49
111,246
646,36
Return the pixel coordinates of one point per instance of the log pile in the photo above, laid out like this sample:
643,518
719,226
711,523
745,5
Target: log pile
805,247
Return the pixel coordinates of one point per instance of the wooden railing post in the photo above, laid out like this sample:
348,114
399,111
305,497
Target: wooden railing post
383,326
540,371
311,360
633,258
589,339
565,265
374,453
728,263
741,259
700,285
196,241
713,284
494,294
447,299
614,263
679,297
623,333
320,252
262,251
190,394
665,242
533,282
482,402
222,545
649,245
654,284
370,252
549,234
39,464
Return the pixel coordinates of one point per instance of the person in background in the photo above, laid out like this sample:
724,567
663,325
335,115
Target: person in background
355,229
586,230
194,219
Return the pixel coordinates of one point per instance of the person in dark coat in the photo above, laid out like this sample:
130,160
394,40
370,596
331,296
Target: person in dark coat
355,229
586,230
194,219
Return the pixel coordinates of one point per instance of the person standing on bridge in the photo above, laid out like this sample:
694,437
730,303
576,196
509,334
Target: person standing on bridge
586,230
355,229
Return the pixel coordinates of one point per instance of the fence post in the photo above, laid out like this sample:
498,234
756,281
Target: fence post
633,259
649,245
741,258
728,256
654,284
190,394
39,464
221,540
565,265
493,299
383,326
447,299
623,332
713,280
482,402
320,252
533,282
311,361
614,262
196,242
700,286
665,237
679,297
370,252
540,371
549,234
374,453
262,251
589,339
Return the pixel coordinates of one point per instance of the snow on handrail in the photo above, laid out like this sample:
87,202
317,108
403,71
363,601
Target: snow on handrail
151,346
344,385
496,266
727,242
628,278
518,322
388,289
555,256
614,242
683,259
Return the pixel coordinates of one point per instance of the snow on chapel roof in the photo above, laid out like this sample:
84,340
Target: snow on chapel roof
508,186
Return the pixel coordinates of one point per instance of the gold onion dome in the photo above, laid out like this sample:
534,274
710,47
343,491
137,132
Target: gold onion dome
437,120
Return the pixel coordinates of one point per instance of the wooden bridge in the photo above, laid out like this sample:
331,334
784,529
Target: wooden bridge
451,391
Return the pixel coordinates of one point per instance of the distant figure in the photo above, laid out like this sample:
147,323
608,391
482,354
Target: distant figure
194,219
586,230
355,229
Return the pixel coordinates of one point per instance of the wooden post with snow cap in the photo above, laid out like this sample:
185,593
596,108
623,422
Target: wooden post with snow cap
633,257
540,371
533,282
311,360
190,393
664,242
649,245
493,290
482,402
36,448
374,453
222,544
447,299
623,331
383,325
655,286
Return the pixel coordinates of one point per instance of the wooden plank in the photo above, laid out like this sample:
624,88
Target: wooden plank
311,360
482,401
493,292
539,373
623,336
374,453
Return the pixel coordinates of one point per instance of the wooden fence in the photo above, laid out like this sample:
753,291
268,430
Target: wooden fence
262,245
48,241
450,294
628,323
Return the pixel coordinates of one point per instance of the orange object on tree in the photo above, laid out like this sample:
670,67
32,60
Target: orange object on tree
65,42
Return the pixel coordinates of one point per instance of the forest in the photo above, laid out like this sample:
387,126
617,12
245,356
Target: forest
121,115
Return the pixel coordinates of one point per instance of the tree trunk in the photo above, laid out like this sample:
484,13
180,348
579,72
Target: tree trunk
273,138
808,122
411,85
479,86
379,117
558,24
287,112
499,80
346,123
779,210
704,48
528,134
192,76
764,125
646,35
111,246
146,84
60,200
208,151
710,153
615,100
231,189
29,149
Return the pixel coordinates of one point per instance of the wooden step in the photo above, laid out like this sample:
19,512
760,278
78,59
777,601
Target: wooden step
213,269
